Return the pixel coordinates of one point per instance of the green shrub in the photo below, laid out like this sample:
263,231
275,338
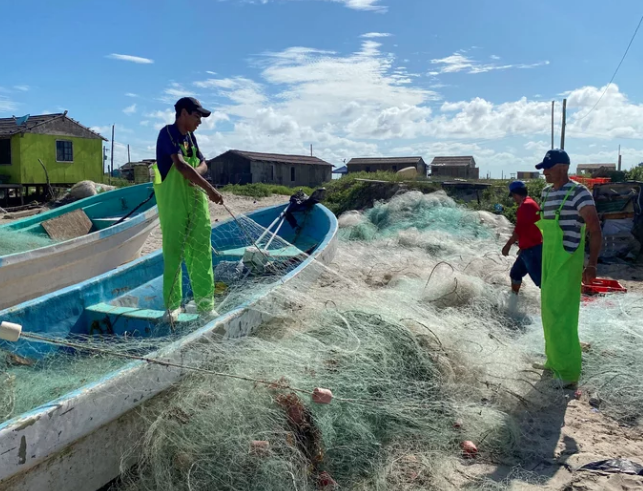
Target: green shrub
635,174
118,182
260,190
349,193
498,193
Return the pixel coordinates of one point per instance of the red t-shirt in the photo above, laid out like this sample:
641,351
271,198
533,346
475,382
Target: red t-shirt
526,217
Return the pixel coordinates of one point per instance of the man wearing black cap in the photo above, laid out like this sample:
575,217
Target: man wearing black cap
183,209
568,211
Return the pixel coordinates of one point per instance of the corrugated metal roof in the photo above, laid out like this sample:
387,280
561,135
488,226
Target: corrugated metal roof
385,161
278,158
9,126
453,161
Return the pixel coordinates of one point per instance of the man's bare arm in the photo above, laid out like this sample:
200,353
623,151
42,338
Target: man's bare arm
512,240
590,215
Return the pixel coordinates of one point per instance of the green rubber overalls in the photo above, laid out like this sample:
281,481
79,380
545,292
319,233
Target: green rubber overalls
560,297
185,223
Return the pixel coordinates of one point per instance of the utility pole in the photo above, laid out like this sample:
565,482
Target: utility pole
311,149
619,157
552,124
562,131
111,169
128,159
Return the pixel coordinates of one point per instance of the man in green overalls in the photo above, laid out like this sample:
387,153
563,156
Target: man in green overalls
567,212
183,209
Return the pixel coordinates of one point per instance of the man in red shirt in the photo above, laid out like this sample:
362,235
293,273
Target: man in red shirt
528,236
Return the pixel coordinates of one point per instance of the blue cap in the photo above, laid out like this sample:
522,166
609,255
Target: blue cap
554,157
515,186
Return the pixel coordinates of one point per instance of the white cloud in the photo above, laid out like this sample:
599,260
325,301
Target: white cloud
494,57
130,109
133,59
209,72
370,35
21,88
176,91
130,94
540,146
362,103
145,122
368,5
164,117
372,5
614,117
103,130
7,104
458,62
245,94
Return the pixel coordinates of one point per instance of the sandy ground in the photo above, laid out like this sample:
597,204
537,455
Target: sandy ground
238,205
563,438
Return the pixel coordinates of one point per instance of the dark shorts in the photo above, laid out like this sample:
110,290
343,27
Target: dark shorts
530,261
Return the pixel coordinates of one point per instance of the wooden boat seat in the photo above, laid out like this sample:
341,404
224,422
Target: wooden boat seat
284,253
136,313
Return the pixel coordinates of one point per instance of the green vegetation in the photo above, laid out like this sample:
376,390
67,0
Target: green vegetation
342,194
260,190
635,174
498,193
348,193
118,182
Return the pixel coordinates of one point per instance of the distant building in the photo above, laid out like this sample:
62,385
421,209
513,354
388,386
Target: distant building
341,170
69,151
128,170
387,164
460,167
522,175
241,167
594,169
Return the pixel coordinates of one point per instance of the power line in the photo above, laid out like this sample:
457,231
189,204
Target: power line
615,71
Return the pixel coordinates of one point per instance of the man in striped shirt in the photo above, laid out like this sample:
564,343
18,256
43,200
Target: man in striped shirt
568,212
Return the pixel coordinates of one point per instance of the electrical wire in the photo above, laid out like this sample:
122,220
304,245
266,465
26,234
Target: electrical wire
615,71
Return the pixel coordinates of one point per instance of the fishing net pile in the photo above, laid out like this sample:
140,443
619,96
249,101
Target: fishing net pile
15,241
411,339
409,327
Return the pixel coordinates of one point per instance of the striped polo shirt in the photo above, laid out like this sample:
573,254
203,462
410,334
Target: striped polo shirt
570,220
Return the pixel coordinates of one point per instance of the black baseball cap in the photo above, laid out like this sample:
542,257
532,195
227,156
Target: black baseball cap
190,104
554,157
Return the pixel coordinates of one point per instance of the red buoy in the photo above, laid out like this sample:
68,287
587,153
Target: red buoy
322,396
469,449
325,481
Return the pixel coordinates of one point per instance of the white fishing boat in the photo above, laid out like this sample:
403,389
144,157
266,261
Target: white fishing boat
119,222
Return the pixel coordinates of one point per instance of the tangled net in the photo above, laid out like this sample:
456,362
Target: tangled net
13,242
411,330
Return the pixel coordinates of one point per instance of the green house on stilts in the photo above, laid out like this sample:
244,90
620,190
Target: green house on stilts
69,151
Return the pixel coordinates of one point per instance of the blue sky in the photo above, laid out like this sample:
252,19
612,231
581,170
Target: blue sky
353,78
